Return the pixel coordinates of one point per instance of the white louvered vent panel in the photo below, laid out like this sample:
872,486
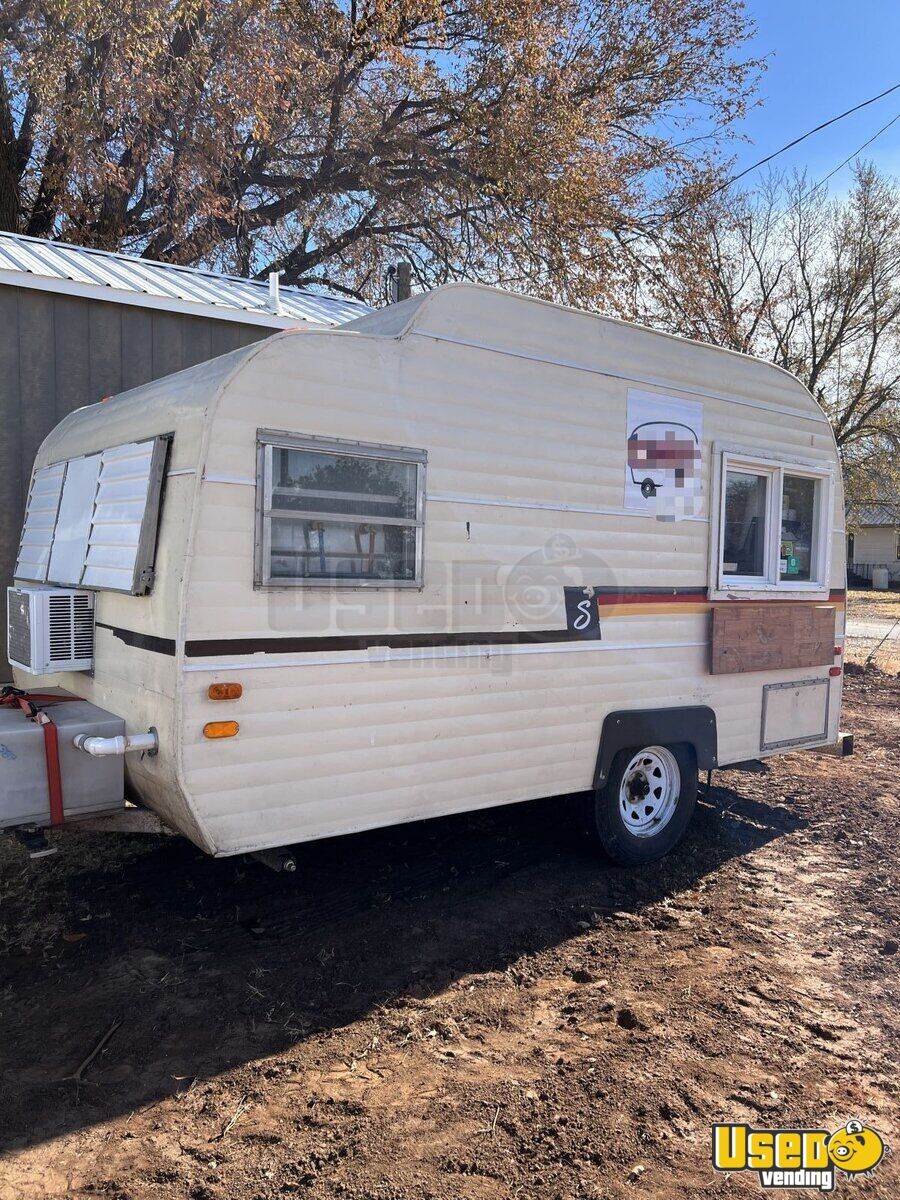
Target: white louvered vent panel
40,522
119,510
91,521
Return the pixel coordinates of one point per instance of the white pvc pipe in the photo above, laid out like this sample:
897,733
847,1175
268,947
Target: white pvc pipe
102,747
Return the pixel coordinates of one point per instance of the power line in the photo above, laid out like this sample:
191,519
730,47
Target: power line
860,149
727,183
796,142
850,157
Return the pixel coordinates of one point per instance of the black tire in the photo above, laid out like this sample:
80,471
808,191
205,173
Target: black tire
608,826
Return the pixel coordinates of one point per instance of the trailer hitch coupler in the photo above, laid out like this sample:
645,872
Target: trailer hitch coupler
104,747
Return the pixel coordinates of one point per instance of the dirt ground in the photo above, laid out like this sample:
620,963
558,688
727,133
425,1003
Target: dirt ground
469,1008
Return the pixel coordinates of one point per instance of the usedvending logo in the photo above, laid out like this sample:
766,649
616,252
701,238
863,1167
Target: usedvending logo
798,1158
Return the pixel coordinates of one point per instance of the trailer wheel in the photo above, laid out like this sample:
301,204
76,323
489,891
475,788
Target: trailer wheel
645,806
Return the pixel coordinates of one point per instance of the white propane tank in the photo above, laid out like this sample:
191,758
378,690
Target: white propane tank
880,579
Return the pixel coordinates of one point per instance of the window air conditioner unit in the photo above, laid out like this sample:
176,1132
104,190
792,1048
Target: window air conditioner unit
50,629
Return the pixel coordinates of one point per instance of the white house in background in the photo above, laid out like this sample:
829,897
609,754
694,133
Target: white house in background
875,540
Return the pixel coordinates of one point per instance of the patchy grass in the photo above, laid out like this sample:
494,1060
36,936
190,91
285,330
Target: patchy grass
881,607
868,605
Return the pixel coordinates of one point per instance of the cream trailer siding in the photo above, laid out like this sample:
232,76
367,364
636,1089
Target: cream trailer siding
365,706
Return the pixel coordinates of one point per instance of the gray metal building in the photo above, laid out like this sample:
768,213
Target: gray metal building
77,325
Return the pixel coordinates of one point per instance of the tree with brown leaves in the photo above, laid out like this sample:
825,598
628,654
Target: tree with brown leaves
811,283
520,142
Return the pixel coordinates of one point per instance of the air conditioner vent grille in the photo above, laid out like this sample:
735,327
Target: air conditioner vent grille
83,626
19,640
51,629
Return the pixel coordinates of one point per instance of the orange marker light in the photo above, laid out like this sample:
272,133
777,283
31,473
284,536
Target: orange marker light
225,691
220,729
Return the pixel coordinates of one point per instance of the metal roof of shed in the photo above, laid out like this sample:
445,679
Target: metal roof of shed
887,513
100,275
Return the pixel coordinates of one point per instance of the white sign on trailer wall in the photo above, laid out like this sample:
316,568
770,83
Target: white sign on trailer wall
663,455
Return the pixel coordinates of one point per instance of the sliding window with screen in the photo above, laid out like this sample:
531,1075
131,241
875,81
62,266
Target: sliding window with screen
774,527
91,521
338,514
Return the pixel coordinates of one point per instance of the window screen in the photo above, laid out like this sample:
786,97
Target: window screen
340,513
92,521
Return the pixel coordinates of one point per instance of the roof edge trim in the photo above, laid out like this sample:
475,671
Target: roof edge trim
191,308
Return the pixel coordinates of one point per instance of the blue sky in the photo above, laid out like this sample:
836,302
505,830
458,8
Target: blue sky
824,56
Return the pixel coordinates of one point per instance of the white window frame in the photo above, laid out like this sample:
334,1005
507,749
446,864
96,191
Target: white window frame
268,440
774,467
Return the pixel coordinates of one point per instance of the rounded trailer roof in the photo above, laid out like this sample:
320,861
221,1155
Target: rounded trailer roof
467,315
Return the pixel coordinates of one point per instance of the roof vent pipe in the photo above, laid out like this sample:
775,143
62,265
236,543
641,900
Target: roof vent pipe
399,282
275,293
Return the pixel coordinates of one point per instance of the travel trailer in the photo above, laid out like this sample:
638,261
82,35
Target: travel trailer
346,578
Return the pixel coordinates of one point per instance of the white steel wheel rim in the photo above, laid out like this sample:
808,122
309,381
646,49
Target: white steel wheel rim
649,791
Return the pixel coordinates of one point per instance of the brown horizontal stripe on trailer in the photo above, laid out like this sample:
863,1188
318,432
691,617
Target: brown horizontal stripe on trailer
142,641
368,641
656,601
611,596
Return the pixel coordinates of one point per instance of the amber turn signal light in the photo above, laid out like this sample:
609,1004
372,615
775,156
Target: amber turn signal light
220,729
225,691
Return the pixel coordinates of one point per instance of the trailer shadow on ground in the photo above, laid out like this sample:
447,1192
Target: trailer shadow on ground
209,964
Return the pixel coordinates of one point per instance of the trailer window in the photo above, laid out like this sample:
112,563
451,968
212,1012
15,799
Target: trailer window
744,531
339,513
798,527
774,525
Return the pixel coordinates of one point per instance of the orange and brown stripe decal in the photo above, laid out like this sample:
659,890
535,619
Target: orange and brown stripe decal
621,602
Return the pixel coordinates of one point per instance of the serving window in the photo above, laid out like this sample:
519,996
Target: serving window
774,525
340,514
